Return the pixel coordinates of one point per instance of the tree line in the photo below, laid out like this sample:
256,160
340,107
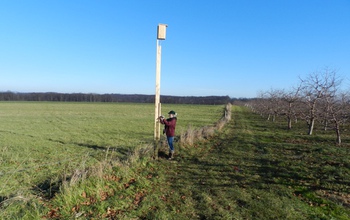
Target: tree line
133,98
317,100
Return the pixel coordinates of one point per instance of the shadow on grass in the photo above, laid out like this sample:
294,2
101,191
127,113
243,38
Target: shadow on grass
2,198
121,150
240,158
47,189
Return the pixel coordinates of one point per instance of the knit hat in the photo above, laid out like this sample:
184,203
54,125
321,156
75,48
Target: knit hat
172,112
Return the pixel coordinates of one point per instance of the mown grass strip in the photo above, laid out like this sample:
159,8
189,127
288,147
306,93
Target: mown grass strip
254,170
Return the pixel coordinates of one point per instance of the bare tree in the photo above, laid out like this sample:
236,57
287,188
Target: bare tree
290,98
262,105
315,88
338,110
276,103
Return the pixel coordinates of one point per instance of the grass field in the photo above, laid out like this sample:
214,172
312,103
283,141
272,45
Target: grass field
42,141
252,169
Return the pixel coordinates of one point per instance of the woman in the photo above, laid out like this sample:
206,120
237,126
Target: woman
169,130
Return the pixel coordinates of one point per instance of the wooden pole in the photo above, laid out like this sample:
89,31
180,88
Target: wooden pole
157,108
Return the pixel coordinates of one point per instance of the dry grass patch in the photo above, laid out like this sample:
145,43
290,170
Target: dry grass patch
191,135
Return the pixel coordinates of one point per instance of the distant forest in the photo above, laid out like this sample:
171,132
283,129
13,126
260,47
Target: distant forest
135,98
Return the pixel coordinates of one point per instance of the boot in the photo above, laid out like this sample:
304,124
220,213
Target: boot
171,155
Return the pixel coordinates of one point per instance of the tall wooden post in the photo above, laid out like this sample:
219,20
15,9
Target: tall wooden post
157,105
157,110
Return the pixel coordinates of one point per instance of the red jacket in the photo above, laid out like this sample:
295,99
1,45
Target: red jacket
170,124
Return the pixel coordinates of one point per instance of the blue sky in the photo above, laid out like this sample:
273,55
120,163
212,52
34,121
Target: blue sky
227,47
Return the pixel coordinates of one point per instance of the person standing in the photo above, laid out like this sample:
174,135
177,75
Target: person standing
169,130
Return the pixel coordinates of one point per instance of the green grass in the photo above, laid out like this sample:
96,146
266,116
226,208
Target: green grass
42,143
252,169
256,170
